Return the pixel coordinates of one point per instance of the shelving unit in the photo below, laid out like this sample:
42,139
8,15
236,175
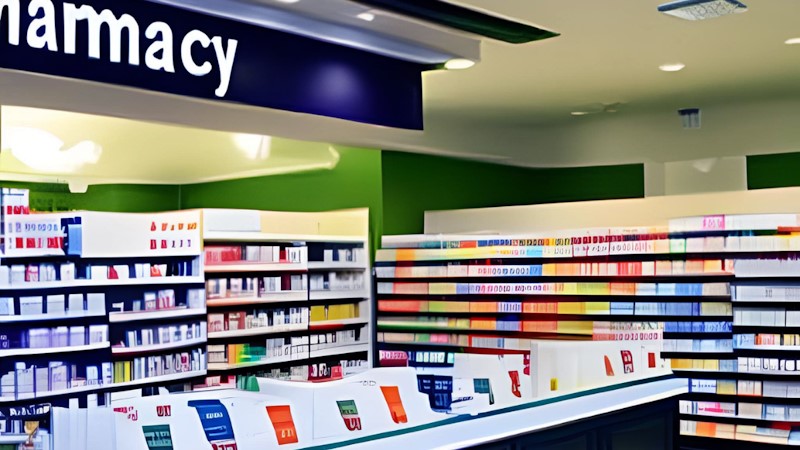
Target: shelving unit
111,264
476,293
471,294
261,283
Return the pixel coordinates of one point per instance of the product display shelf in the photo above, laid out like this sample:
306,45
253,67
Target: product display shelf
753,401
51,317
161,379
53,350
337,323
495,280
261,331
95,388
13,439
77,283
255,267
119,269
166,313
336,265
316,295
252,275
158,347
252,364
314,285
510,305
271,298
340,350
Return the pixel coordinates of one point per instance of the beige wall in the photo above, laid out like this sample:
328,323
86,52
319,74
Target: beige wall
651,211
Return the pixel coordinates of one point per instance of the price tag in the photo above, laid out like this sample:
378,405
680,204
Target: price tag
713,223
282,422
392,396
349,413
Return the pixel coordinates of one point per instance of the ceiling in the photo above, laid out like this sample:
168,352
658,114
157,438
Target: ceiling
609,51
514,106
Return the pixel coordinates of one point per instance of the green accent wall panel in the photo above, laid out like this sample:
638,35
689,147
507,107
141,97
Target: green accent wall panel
47,197
355,182
413,184
773,171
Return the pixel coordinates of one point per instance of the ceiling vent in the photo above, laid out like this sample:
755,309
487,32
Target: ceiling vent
690,117
702,9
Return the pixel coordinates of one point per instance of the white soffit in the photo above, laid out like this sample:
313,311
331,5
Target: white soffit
337,21
142,152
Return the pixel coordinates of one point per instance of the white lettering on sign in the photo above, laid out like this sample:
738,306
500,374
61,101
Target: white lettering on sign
158,39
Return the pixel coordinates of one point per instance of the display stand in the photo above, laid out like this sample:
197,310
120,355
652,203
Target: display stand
299,282
99,302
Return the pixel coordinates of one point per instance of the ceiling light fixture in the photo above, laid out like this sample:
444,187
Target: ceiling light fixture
44,152
702,9
253,146
792,41
459,64
579,113
369,17
288,1
673,67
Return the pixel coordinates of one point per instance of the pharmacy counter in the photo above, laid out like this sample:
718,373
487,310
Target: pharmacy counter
616,416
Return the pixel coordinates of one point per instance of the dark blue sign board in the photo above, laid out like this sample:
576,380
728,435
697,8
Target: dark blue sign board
166,49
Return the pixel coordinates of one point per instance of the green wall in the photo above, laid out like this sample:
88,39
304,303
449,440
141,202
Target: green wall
47,197
773,171
397,188
413,184
355,182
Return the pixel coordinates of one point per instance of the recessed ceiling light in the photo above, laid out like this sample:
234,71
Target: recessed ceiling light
579,113
369,17
793,41
674,67
459,64
288,1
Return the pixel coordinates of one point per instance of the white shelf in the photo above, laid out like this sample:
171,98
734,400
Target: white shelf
103,282
793,348
341,350
32,252
162,378
49,317
263,362
336,265
156,347
256,267
337,323
699,352
50,350
13,439
119,317
765,300
250,236
736,416
70,391
333,295
729,372
253,332
272,297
